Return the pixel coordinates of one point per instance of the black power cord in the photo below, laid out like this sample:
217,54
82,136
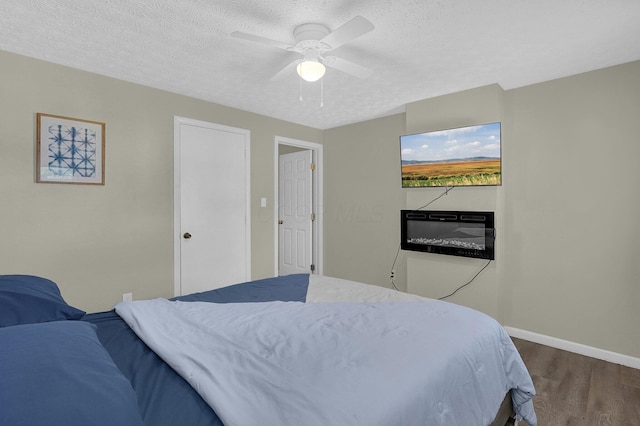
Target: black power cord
392,275
393,266
467,283
446,191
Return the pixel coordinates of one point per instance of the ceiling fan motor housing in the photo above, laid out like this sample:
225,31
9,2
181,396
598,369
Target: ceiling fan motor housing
308,36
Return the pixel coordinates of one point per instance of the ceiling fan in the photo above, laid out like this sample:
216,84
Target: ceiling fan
313,41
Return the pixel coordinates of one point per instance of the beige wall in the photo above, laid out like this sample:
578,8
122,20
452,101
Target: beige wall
362,199
98,242
572,209
567,213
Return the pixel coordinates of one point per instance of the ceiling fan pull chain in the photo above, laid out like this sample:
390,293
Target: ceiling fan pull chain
301,98
321,92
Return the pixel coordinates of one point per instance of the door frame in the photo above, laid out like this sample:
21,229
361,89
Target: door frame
177,237
317,228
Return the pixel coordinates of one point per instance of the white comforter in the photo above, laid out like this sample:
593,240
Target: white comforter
375,363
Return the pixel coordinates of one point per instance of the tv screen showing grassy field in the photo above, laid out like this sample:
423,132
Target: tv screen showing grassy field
466,156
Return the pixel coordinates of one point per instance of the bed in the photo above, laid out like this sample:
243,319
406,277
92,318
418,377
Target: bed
354,355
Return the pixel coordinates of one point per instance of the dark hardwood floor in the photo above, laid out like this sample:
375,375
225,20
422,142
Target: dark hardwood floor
577,390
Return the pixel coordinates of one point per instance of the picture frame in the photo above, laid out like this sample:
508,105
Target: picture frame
70,150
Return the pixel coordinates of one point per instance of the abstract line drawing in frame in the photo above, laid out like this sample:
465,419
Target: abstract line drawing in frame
70,150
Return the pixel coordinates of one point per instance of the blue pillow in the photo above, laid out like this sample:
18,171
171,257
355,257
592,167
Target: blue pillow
26,299
58,373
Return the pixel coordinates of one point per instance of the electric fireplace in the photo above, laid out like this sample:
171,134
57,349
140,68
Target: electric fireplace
455,233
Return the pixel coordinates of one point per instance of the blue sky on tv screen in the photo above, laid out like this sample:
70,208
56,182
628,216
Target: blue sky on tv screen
465,142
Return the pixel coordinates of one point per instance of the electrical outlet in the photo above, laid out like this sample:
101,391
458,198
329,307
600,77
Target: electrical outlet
127,297
393,274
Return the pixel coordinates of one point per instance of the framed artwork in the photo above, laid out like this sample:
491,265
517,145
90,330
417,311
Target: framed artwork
70,150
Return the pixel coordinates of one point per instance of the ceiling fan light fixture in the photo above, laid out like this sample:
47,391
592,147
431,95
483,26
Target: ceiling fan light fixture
311,70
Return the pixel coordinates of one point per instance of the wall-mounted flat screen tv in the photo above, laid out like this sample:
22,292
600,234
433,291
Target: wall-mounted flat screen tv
464,156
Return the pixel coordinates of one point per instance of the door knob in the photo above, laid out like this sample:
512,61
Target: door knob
280,222
187,235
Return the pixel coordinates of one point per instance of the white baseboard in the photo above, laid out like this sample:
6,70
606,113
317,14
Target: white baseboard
577,348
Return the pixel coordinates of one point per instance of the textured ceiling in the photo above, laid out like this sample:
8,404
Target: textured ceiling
419,48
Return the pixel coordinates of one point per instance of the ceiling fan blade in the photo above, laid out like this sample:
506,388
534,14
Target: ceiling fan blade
347,67
262,40
286,70
347,32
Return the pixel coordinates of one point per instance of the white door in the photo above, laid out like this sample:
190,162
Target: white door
212,226
295,213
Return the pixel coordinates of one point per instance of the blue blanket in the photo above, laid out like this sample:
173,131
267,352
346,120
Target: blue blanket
165,398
